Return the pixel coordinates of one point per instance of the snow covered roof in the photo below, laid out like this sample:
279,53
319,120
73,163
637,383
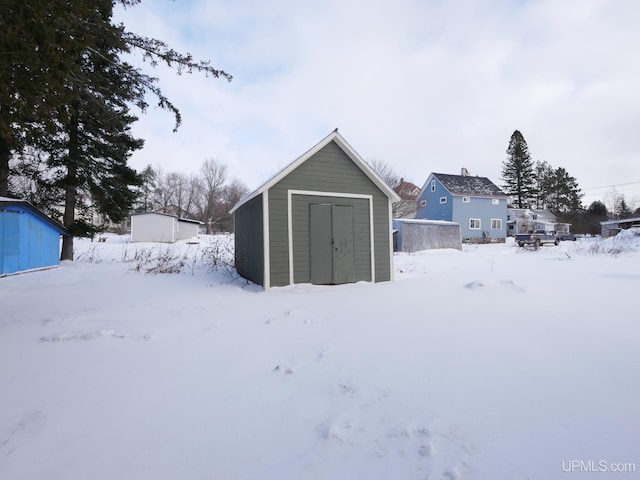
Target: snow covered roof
424,221
180,219
622,220
6,201
541,214
346,148
469,185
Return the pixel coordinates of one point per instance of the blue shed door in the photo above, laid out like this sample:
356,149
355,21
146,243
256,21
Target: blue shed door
9,241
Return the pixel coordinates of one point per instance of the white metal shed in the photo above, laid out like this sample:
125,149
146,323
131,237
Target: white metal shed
162,227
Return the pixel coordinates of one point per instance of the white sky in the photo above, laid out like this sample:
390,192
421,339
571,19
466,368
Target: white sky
426,86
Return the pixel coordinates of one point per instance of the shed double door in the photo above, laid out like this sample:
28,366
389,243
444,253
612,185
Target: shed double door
331,243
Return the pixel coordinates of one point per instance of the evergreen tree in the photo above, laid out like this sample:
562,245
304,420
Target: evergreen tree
149,178
622,210
592,216
93,142
563,196
39,43
517,171
543,181
76,109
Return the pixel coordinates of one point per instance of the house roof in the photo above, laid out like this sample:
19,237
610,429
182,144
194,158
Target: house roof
407,190
468,185
345,147
8,202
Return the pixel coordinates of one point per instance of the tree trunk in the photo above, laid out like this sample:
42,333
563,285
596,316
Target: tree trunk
69,216
70,185
5,155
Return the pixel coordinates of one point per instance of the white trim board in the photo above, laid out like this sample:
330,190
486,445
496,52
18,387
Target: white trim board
290,194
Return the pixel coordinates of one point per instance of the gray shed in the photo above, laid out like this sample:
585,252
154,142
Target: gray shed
414,235
323,219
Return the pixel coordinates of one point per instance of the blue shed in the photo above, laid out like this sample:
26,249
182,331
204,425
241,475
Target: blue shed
29,239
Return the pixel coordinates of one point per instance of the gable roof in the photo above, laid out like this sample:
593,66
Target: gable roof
407,190
468,185
9,202
345,147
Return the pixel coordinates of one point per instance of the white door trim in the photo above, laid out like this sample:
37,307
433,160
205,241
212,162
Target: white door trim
290,194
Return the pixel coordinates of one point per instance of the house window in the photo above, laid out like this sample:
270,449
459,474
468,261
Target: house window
495,201
423,203
443,199
474,223
433,185
496,223
466,199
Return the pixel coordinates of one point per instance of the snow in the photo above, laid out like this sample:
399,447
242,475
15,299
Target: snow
494,362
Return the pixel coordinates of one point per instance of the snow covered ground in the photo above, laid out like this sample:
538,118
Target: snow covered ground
491,363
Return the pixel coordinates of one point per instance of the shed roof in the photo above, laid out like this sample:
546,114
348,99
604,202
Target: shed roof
424,221
8,202
469,185
180,219
622,220
346,148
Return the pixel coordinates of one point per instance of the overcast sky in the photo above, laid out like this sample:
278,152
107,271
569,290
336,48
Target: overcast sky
425,86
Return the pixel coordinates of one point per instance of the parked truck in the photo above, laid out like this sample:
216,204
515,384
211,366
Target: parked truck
536,238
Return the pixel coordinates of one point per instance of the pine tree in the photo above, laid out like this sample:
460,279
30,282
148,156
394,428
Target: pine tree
592,216
145,194
77,108
622,210
517,171
563,195
39,43
543,182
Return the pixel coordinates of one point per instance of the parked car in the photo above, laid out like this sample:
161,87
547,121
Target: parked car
536,239
566,236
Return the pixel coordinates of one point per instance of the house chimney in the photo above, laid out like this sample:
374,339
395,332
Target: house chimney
464,172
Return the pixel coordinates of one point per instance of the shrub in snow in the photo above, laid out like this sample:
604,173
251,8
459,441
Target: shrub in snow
156,260
91,255
218,254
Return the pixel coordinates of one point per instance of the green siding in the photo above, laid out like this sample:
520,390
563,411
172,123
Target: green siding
329,170
249,241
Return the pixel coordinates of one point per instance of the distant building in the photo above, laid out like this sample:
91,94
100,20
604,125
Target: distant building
413,235
162,228
523,220
612,227
476,203
406,207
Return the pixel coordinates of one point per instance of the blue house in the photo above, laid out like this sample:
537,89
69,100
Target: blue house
29,239
476,203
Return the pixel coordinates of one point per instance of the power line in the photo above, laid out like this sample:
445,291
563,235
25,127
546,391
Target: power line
612,186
